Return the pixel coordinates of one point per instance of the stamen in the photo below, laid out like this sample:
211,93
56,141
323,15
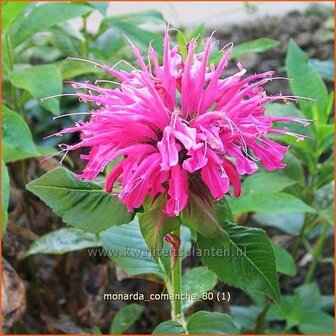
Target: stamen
135,183
84,60
229,45
50,156
59,95
295,98
71,114
299,137
65,154
106,81
129,41
179,31
177,206
281,78
123,61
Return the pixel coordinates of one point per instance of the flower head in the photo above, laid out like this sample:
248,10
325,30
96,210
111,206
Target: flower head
178,128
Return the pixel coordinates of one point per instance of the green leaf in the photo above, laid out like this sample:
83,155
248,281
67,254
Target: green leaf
183,38
17,141
204,322
294,168
254,46
288,223
125,317
10,11
245,260
71,69
137,18
40,81
129,26
317,322
63,241
199,212
310,296
327,303
284,261
324,68
79,203
306,82
291,309
155,224
100,6
197,280
244,317
68,44
169,328
4,196
96,331
139,36
126,246
269,202
261,182
43,16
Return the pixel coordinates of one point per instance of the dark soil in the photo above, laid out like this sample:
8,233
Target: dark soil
65,293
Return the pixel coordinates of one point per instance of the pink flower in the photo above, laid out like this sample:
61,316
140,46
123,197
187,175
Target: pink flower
178,127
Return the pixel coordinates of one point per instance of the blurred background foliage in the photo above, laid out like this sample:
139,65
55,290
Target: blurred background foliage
294,206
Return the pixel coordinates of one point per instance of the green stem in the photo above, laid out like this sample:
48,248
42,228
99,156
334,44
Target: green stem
301,236
177,314
310,199
261,320
317,252
86,38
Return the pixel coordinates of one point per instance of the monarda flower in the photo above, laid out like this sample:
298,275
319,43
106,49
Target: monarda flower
178,128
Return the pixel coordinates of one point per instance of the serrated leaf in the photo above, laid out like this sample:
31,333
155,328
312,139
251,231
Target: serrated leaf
306,82
43,16
269,202
284,261
125,317
197,280
254,46
40,81
126,246
4,196
204,323
246,259
80,203
17,140
169,328
63,241
155,224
